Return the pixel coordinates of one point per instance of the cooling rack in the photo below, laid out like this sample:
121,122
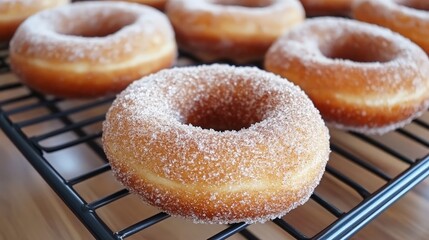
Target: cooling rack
46,128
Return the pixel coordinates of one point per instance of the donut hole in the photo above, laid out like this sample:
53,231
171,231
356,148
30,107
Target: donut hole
228,117
358,48
245,3
415,4
229,112
97,25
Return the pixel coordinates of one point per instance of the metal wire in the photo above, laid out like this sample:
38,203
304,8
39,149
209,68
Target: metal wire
34,150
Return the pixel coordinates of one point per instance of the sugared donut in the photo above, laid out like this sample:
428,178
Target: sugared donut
236,30
217,144
410,18
90,49
360,76
154,3
14,12
327,7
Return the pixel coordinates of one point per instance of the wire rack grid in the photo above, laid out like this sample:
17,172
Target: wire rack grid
76,124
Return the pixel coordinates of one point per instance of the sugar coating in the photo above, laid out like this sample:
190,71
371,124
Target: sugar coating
198,10
306,40
49,34
398,6
15,11
260,169
237,6
413,15
16,2
231,29
397,76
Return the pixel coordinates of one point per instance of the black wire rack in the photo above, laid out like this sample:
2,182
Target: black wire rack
70,124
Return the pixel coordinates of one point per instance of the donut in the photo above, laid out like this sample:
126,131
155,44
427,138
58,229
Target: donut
327,7
154,3
234,30
14,12
360,76
91,49
217,143
410,18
